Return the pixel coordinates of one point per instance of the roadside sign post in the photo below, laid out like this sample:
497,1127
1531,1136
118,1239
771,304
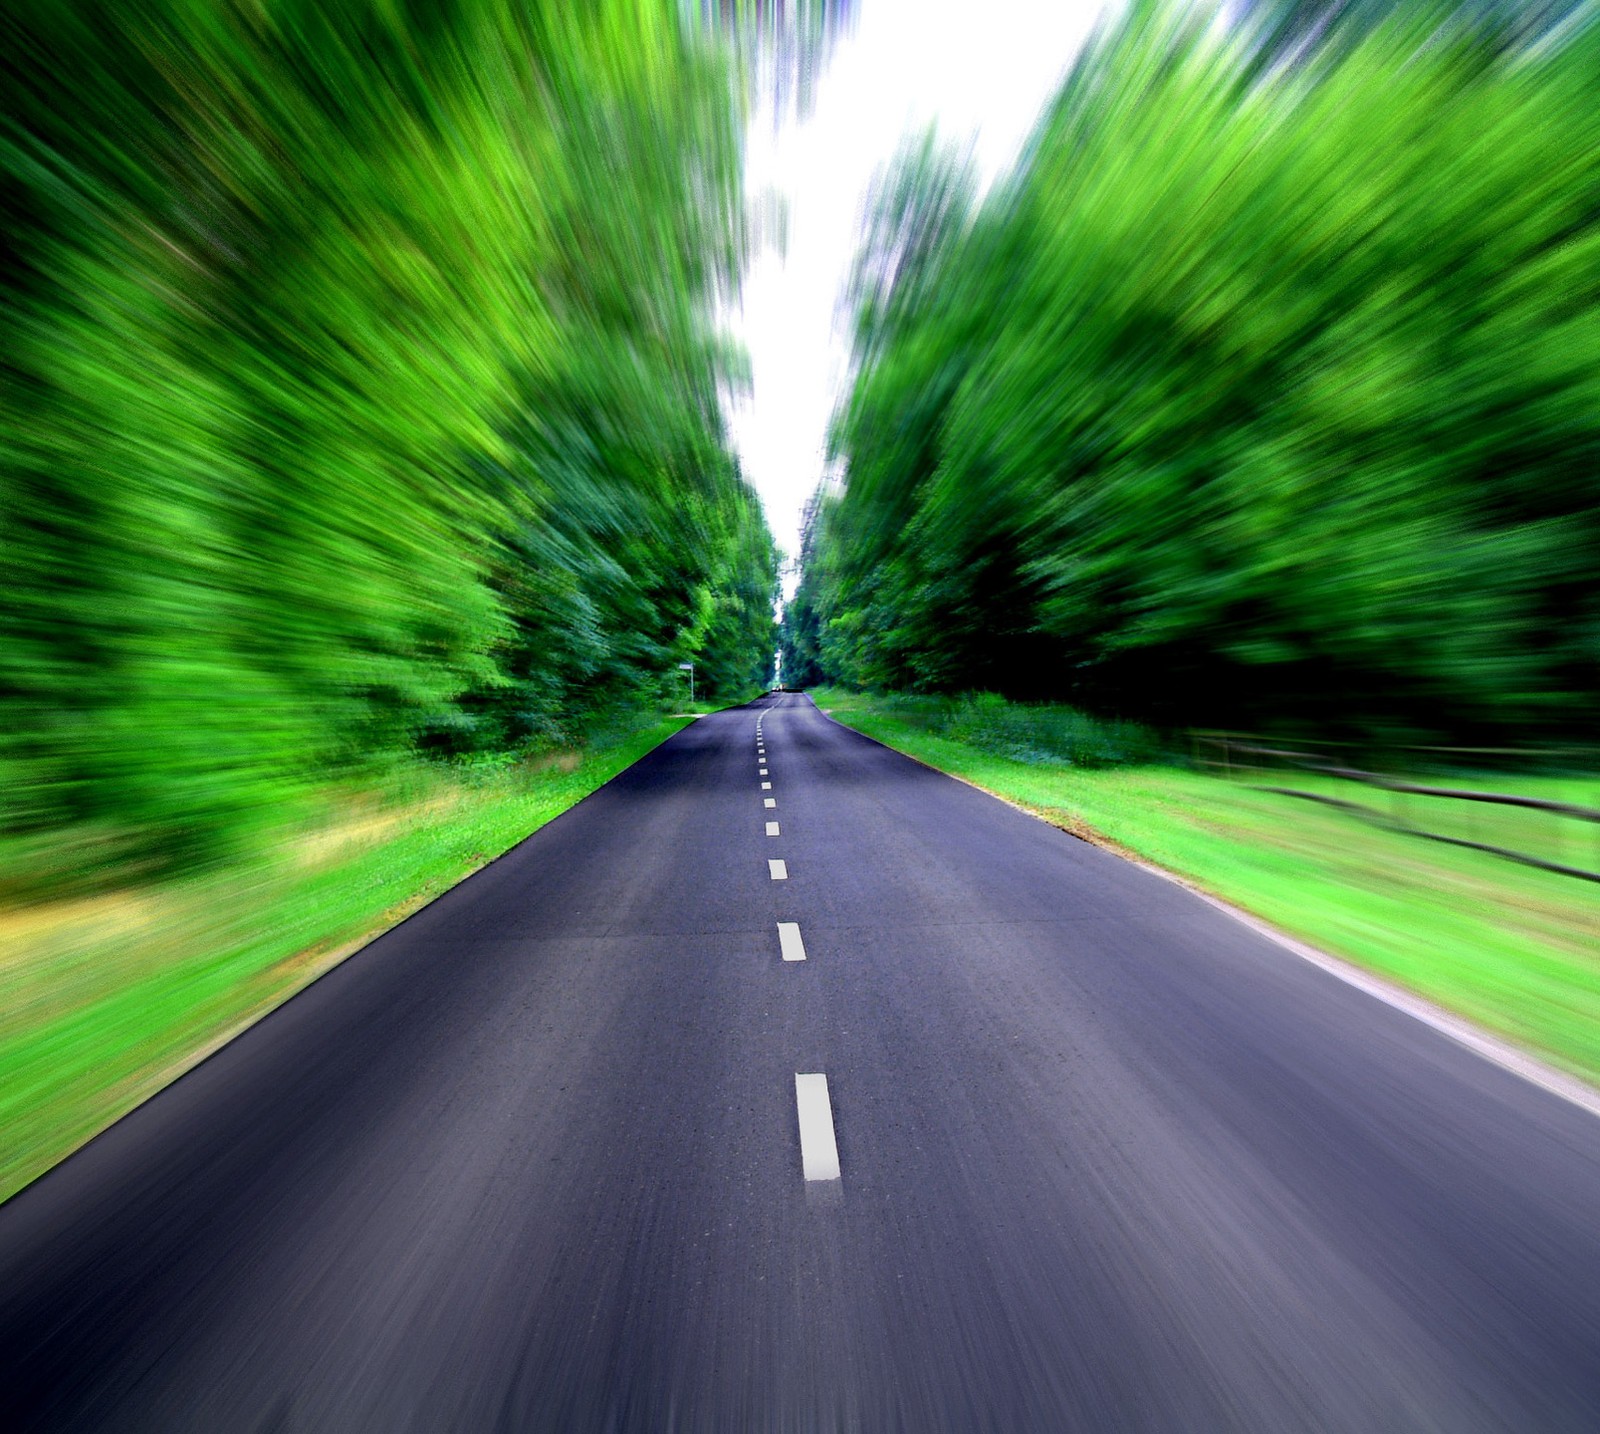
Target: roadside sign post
689,668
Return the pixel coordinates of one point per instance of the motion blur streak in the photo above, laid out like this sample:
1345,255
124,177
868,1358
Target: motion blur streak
1266,388
361,400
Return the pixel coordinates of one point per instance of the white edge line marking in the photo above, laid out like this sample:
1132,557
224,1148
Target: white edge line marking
1446,1023
772,829
819,1152
776,869
769,801
1449,1025
793,948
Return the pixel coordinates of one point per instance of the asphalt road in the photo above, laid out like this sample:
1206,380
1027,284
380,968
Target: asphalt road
1107,1159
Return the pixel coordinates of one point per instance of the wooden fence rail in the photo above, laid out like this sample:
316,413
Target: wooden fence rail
1315,762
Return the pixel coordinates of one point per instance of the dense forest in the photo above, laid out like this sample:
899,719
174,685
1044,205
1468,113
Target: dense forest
362,399
1265,391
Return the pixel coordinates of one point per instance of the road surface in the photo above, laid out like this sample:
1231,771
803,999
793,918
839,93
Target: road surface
842,1097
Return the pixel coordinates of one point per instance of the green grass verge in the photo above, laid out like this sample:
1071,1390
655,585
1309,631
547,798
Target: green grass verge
1514,949
109,999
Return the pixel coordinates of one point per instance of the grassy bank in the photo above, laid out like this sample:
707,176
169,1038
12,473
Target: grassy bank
1515,949
110,998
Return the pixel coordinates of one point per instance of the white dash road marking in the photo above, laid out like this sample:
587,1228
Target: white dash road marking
769,801
764,772
776,869
766,786
794,949
772,828
819,1151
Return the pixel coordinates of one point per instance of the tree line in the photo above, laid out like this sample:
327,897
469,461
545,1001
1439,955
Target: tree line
361,399
1264,391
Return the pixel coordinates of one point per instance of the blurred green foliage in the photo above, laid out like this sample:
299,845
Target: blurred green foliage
361,397
1033,733
1259,393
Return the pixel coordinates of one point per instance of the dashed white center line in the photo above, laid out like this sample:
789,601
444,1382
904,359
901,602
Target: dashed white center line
819,1151
772,828
794,949
763,771
766,786
769,801
776,869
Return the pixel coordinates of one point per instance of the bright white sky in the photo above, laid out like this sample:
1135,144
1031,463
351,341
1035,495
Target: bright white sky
980,73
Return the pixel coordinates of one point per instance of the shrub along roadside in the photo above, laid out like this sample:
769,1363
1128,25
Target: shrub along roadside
1027,732
1510,948
113,998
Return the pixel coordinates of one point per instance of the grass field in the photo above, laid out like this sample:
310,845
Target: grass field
110,998
1514,949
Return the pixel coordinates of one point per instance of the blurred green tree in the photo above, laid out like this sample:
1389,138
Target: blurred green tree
1252,395
362,396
